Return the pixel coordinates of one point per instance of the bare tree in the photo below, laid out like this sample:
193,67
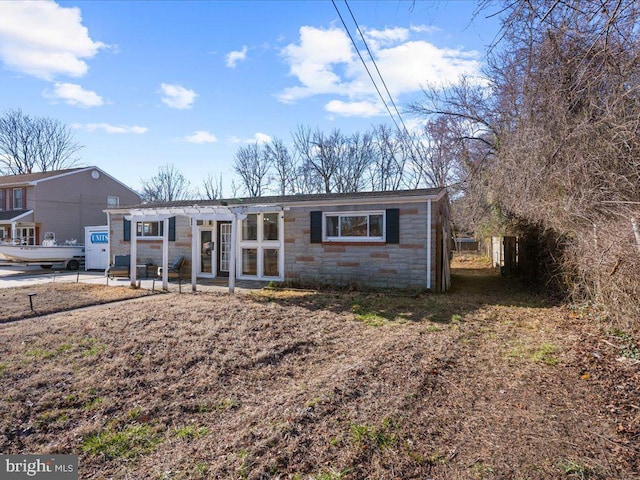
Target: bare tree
439,150
306,179
389,159
284,164
559,120
252,164
35,144
235,189
354,156
318,153
334,162
167,186
212,187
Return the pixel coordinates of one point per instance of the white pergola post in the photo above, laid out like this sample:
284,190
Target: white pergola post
165,254
194,253
232,255
133,270
281,241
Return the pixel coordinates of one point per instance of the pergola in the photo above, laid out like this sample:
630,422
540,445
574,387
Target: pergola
232,214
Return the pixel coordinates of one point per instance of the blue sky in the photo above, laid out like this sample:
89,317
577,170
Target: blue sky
148,83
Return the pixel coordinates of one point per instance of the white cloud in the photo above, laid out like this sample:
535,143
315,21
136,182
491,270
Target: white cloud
176,96
312,61
425,28
108,128
201,136
353,109
258,137
262,138
388,36
236,56
75,95
411,65
44,39
325,63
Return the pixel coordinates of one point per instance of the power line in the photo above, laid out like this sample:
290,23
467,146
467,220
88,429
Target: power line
365,64
395,107
407,135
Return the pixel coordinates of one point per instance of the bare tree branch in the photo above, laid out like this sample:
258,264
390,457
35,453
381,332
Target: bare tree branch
35,144
167,186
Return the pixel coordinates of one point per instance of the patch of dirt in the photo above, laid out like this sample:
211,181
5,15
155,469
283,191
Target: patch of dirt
487,381
58,297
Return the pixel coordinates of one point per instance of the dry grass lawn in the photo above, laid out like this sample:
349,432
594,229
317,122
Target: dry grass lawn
58,297
485,382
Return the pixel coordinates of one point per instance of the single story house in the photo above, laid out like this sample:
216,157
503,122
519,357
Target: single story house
59,201
381,239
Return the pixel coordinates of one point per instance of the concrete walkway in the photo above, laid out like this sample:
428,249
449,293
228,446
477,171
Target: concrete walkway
22,276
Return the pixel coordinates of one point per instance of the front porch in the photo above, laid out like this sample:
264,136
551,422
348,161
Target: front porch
17,227
222,244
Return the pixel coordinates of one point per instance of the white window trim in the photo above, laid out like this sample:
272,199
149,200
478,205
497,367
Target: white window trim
30,231
344,239
117,201
260,245
149,237
214,251
22,205
1,200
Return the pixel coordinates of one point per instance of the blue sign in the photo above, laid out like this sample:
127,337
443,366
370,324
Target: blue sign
102,237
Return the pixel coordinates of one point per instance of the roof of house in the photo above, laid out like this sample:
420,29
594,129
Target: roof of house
37,177
7,215
32,177
289,199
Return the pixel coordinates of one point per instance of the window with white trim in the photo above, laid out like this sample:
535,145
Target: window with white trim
112,201
1,199
17,199
260,245
354,227
149,229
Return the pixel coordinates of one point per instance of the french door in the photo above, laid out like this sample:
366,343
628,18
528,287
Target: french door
224,248
207,252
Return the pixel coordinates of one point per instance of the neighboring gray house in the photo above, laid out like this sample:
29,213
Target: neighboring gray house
61,201
382,239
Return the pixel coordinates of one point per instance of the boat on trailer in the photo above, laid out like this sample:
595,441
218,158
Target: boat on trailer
71,254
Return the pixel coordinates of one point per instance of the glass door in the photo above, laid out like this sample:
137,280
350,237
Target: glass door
26,235
207,248
224,248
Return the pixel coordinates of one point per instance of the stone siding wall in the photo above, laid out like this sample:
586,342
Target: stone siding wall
402,265
150,251
376,264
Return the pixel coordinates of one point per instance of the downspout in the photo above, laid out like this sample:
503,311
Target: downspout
428,244
108,239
